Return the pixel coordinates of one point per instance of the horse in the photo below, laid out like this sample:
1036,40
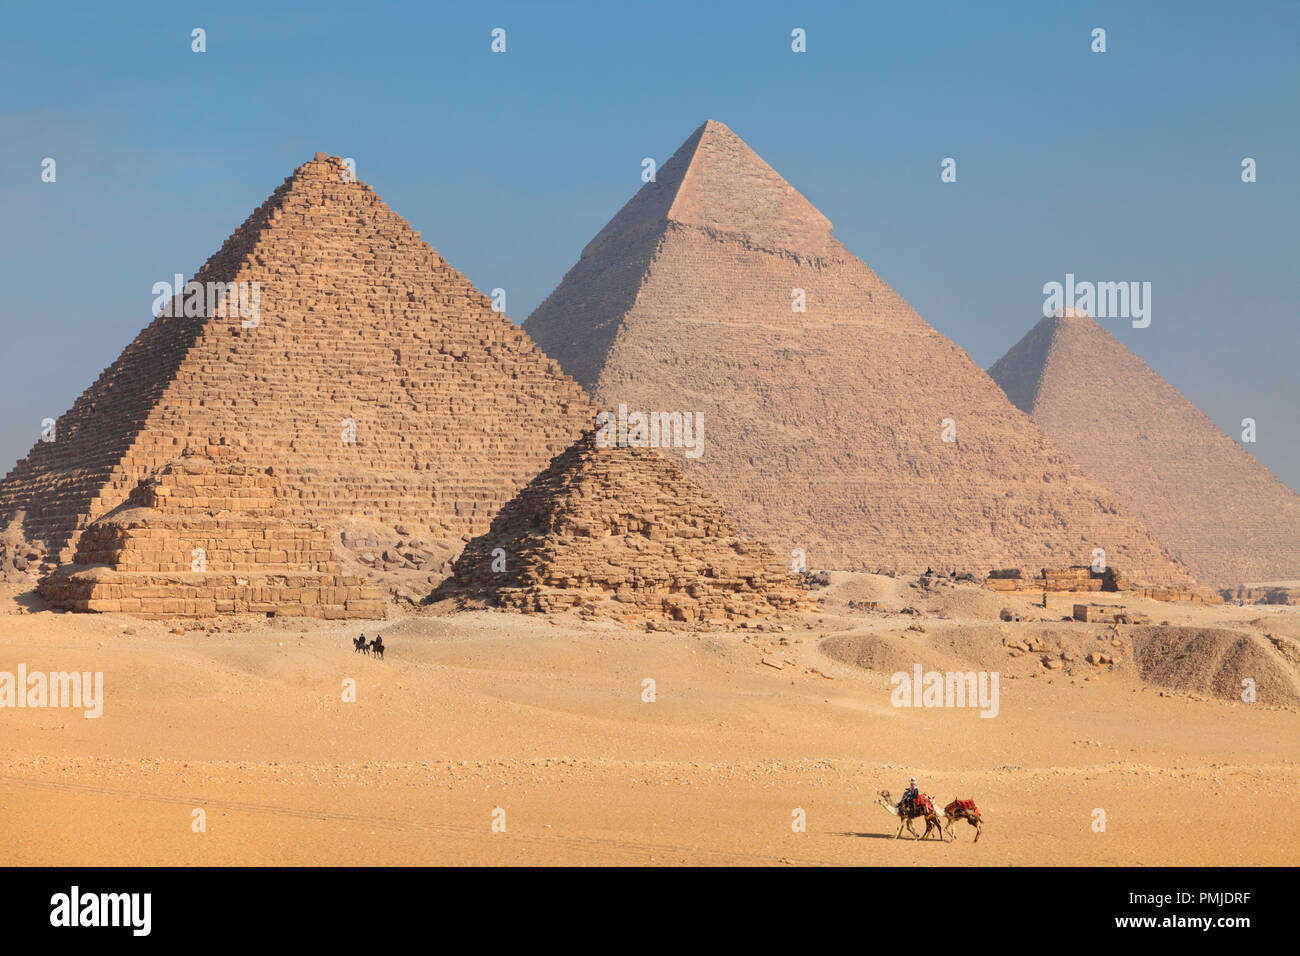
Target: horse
360,645
377,647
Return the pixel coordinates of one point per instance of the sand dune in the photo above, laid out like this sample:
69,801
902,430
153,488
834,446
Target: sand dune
544,719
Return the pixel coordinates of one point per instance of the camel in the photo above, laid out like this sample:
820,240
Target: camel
922,807
963,810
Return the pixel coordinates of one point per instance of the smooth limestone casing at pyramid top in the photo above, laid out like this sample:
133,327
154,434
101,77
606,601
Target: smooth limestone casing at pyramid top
1221,512
454,407
823,429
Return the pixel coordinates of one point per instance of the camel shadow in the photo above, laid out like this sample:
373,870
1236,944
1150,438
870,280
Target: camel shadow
879,836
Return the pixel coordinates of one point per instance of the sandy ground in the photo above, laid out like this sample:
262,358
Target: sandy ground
544,719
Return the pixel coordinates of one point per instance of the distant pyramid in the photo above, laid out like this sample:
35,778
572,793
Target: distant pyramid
374,378
1221,511
618,532
824,428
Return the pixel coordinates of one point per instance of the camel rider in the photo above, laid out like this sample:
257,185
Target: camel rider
909,796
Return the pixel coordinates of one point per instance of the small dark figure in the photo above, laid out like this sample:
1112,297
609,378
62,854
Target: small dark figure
377,647
360,645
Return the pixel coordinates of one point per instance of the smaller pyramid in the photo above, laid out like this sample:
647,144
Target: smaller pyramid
620,533
1209,500
203,535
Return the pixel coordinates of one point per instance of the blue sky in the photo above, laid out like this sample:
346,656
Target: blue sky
1115,166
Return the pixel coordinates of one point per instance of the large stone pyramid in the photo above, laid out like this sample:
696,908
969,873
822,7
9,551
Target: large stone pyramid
824,429
374,378
1214,504
618,532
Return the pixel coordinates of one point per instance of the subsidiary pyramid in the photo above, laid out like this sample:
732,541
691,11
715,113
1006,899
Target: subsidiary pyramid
206,535
1222,512
374,378
620,533
823,428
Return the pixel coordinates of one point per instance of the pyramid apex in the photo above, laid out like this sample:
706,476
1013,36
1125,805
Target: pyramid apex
1072,318
715,181
1076,324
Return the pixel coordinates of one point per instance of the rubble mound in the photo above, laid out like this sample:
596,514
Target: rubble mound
1216,662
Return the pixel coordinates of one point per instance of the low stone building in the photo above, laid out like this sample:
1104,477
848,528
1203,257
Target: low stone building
1076,578
1108,614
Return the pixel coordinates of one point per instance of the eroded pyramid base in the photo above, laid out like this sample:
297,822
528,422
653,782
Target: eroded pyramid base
206,535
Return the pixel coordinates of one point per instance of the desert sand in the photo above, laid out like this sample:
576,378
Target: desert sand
544,718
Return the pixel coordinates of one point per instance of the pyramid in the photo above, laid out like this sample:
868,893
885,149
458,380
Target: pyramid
374,378
824,428
206,535
1220,511
620,533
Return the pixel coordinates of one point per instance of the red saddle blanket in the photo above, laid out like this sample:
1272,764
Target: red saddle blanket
962,805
